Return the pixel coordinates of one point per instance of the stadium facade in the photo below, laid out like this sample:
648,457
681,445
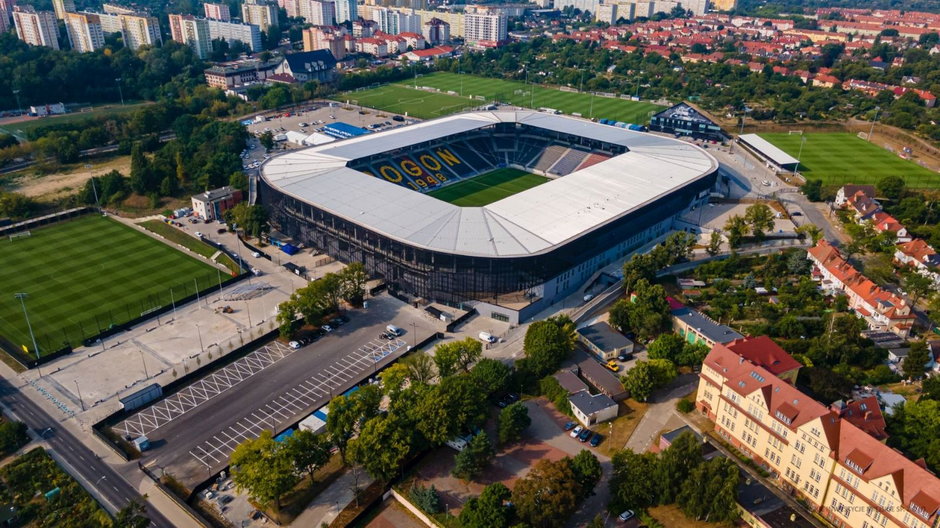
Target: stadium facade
363,200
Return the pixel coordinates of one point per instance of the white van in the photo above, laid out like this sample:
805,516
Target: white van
457,443
487,337
392,329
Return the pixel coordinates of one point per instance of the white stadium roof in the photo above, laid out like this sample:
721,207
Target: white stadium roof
768,149
526,223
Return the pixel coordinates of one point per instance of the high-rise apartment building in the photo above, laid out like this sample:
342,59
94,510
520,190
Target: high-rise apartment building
250,34
832,458
136,29
454,18
436,31
36,28
114,9
217,12
346,10
393,21
318,12
62,7
260,13
488,28
332,38
192,31
84,31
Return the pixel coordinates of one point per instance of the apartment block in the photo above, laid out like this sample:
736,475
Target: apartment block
346,10
62,7
485,28
318,13
36,28
259,13
217,12
454,19
394,21
831,457
136,29
192,31
84,31
436,31
332,38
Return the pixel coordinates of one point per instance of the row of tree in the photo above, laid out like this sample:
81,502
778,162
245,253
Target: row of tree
322,297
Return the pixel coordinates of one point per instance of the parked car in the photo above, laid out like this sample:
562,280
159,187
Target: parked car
576,431
613,365
198,234
328,328
294,344
585,435
596,440
570,425
623,357
627,515
226,499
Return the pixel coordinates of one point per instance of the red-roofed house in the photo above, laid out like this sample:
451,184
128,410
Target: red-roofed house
833,458
920,256
883,222
881,309
762,350
430,54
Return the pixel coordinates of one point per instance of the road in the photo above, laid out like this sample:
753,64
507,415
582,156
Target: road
104,483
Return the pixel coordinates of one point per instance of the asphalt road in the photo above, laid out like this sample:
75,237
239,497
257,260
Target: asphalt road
173,442
91,472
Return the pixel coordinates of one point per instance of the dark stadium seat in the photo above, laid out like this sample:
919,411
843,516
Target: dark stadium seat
468,154
569,162
548,157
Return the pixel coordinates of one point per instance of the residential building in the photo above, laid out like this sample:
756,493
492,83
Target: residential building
881,309
436,31
724,5
863,207
211,205
259,13
591,409
817,453
319,13
217,12
136,29
485,29
331,38
235,74
250,34
346,10
373,46
599,376
430,54
763,351
604,341
569,380
919,256
62,7
364,28
306,66
394,21
454,18
193,32
697,327
4,19
684,120
606,13
36,28
883,222
848,191
413,40
84,31
114,9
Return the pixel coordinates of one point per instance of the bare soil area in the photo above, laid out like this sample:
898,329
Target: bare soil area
49,187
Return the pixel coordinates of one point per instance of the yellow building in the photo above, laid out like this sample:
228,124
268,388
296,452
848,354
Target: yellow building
827,456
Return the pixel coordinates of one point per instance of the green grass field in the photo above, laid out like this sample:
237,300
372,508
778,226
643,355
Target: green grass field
23,128
488,188
86,274
403,97
841,158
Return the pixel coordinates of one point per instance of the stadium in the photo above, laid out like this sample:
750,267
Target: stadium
552,200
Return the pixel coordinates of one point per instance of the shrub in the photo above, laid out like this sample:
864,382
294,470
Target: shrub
428,499
685,406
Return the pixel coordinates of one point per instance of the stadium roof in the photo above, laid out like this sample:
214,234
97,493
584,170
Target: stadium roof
768,149
530,222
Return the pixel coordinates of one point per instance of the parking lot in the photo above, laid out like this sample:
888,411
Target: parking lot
310,119
194,431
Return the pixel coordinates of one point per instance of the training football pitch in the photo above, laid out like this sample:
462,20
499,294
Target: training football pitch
488,188
83,275
472,91
841,158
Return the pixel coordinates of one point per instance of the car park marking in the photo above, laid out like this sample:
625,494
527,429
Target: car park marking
294,402
172,407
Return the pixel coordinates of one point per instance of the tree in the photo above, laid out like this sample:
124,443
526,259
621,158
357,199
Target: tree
930,389
253,219
382,446
309,451
140,171
353,279
676,465
548,495
428,499
13,436
393,379
735,229
569,330
490,509
546,346
587,472
631,485
513,420
917,286
267,140
348,413
639,267
447,409
710,493
760,218
646,376
812,189
814,233
714,244
420,367
620,315
916,360
646,313
666,346
134,515
469,463
451,357
891,187
491,376
264,469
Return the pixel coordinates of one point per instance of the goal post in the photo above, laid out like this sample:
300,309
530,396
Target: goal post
21,234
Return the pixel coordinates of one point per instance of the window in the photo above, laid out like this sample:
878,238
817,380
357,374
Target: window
796,461
815,475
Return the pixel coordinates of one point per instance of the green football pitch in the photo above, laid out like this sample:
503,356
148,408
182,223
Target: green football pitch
471,91
842,158
83,275
488,188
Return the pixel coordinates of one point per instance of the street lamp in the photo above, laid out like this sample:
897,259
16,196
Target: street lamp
800,154
873,121
199,333
22,298
19,108
144,363
93,187
414,333
82,401
120,89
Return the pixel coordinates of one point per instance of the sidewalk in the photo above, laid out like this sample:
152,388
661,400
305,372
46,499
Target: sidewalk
332,500
660,415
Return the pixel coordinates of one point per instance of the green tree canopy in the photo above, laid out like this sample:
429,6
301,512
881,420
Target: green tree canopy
264,469
513,420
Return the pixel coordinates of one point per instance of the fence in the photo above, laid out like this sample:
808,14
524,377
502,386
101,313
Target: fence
53,218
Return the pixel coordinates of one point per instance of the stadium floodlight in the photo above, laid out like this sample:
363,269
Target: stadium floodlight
22,298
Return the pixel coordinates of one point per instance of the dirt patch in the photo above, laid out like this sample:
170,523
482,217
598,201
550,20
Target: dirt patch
50,187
